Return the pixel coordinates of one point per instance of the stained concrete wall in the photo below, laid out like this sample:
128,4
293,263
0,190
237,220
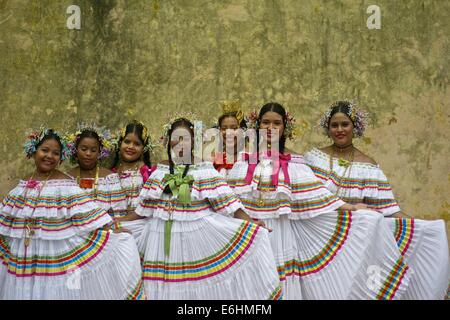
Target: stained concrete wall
144,59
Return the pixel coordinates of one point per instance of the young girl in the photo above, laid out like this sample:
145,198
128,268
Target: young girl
321,253
132,163
231,120
51,242
193,247
89,146
354,177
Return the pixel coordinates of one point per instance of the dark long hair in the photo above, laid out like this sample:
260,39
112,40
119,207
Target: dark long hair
277,108
178,123
51,134
88,134
340,106
138,129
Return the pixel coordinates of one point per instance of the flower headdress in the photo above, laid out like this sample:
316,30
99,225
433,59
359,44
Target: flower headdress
291,130
359,117
148,143
103,133
35,137
191,116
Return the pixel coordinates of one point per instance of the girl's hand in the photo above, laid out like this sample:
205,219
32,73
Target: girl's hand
240,214
360,206
262,224
120,230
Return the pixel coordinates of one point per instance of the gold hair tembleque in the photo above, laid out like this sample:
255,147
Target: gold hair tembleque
233,107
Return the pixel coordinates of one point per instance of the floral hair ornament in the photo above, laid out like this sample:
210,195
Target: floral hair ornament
37,135
191,116
291,130
359,117
148,143
103,133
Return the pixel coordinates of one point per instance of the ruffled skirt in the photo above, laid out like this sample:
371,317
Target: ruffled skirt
338,255
214,257
99,265
425,248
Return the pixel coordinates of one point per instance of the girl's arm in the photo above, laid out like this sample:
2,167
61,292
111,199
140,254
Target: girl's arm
240,214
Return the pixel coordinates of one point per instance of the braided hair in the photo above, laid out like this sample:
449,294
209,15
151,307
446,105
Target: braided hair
178,123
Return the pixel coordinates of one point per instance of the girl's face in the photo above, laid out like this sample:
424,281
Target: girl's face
229,123
181,144
131,148
272,122
88,152
340,129
47,156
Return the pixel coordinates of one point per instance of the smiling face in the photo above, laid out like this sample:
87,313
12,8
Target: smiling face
47,156
131,148
88,152
272,121
340,129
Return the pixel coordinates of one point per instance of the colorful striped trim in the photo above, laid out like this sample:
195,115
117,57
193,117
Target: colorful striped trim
277,294
393,281
153,185
131,192
302,206
53,224
199,185
267,206
404,233
118,214
205,268
110,197
47,266
209,184
138,292
325,256
379,204
4,250
270,205
47,201
381,185
217,204
220,203
195,206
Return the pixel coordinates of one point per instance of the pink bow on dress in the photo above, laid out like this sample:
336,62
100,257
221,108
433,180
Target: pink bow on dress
279,161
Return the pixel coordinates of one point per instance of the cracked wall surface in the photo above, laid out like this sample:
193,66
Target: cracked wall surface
146,59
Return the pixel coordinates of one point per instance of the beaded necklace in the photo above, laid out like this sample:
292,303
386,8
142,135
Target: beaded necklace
82,184
343,163
129,193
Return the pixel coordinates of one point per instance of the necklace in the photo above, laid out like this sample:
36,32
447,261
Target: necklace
30,223
343,163
129,192
87,184
135,168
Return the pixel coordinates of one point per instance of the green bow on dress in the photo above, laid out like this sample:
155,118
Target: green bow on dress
343,162
180,187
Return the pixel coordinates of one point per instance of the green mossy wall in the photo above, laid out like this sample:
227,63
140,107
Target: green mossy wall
145,59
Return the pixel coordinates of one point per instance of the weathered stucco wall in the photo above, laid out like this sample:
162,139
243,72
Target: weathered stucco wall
143,59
